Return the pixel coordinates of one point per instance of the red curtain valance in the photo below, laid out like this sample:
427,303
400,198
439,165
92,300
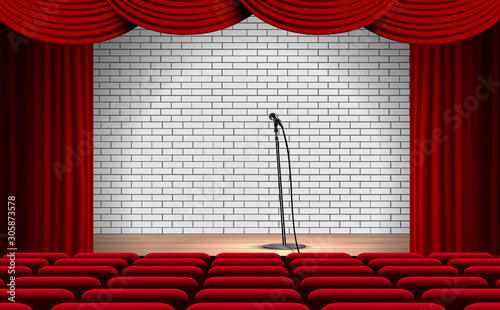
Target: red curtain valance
410,21
182,17
64,21
319,16
437,21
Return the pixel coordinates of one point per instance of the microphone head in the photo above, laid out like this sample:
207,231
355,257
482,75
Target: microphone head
273,116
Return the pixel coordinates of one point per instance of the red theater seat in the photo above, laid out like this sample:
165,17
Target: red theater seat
101,273
51,257
76,285
20,272
395,273
186,284
419,285
247,271
170,296
248,306
203,256
489,273
331,271
383,306
290,257
14,306
248,255
258,295
32,263
458,299
444,257
367,257
483,306
128,257
165,271
39,299
2,284
113,306
462,263
248,262
248,282
319,298
313,283
325,262
378,263
198,262
117,263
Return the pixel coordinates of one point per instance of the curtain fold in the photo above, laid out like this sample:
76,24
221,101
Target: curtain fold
47,92
64,22
454,119
437,21
182,17
319,17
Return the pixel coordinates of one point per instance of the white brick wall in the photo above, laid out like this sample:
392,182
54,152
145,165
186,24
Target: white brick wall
183,143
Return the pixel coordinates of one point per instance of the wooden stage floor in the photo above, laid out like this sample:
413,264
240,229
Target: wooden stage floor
214,244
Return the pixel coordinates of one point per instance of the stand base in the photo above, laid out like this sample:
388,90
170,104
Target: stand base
279,246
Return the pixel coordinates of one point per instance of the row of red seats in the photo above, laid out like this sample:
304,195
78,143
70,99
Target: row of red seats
320,299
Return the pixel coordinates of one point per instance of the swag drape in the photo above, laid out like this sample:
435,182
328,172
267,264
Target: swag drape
47,119
454,120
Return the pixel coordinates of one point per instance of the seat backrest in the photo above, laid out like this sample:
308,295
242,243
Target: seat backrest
102,273
311,262
33,263
39,299
367,257
248,262
248,306
395,273
248,282
113,306
247,271
128,257
483,306
458,299
76,285
203,256
420,284
290,257
258,295
14,306
248,255
198,262
186,284
462,263
51,257
317,299
444,257
383,306
118,263
313,283
489,273
378,263
331,271
5,273
172,297
165,271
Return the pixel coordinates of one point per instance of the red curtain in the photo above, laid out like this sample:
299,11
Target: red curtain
455,116
182,17
319,17
64,22
437,21
47,119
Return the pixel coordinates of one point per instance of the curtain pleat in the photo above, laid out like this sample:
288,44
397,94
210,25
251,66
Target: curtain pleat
437,21
47,99
454,116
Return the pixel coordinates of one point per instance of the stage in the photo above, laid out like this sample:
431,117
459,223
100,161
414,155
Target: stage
213,244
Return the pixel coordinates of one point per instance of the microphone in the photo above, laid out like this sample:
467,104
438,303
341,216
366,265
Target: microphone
274,118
